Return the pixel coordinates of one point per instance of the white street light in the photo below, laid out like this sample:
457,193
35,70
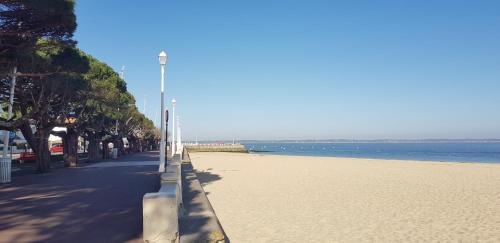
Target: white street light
173,127
163,61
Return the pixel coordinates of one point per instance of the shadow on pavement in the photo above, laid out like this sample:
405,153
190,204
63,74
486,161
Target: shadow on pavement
76,205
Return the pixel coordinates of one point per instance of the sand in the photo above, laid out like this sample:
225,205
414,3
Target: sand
266,198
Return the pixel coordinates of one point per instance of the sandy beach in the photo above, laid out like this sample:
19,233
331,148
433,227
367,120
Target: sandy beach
267,198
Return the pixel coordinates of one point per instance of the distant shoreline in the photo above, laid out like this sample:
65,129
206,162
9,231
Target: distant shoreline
361,141
474,152
274,154
373,141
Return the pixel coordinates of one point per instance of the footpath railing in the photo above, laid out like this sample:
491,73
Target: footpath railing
164,213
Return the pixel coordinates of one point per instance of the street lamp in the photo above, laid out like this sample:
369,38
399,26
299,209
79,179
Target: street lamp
173,127
116,123
163,61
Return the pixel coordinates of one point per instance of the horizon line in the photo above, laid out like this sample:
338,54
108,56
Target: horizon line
351,140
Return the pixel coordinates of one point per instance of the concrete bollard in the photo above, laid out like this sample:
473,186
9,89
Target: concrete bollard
175,168
171,177
162,210
176,158
160,215
175,179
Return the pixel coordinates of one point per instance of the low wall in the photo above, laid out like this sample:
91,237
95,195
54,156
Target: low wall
161,210
239,148
166,218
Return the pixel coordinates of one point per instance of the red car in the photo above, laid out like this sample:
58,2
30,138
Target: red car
56,149
27,156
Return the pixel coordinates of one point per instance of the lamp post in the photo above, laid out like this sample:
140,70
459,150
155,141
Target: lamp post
116,123
163,61
173,127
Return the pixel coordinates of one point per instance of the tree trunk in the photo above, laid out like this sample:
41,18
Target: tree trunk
70,145
42,151
137,146
131,145
105,149
121,146
116,146
93,149
64,138
29,136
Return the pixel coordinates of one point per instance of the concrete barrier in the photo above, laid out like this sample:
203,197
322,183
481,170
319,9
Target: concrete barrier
165,216
175,166
173,177
176,158
162,210
160,215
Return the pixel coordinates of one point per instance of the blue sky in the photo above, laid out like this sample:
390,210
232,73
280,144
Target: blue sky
308,69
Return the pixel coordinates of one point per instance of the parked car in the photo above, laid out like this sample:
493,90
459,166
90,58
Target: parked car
56,148
27,156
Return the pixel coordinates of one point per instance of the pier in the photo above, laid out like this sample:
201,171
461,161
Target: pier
214,147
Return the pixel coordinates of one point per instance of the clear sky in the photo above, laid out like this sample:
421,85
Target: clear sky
289,69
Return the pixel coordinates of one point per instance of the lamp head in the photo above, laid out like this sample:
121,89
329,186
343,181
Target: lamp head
163,58
173,102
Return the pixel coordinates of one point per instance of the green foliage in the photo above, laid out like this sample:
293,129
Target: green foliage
107,102
51,89
36,38
24,22
103,97
56,81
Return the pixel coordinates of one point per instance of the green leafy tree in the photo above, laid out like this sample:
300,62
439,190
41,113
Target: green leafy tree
36,37
24,22
98,113
48,100
56,82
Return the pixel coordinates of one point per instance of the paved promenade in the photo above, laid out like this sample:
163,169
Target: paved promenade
99,202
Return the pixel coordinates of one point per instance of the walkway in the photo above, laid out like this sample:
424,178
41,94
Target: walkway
100,202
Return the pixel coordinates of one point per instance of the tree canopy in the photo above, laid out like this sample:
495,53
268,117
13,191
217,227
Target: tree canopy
56,82
24,22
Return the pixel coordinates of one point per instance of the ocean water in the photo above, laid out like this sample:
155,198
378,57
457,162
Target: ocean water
477,152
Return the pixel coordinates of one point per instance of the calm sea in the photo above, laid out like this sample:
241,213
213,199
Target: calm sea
453,152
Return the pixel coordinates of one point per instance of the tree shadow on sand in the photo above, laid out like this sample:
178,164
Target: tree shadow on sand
199,222
207,177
